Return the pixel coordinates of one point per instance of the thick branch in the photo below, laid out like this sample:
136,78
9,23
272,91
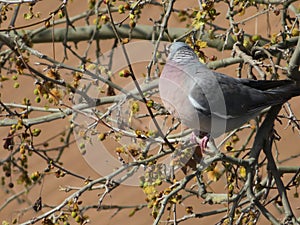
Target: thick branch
143,32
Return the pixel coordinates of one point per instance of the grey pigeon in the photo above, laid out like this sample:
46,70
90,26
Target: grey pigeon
212,102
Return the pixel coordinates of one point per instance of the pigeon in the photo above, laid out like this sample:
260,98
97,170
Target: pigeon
211,102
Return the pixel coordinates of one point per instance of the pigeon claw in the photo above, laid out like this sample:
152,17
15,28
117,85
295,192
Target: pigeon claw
202,142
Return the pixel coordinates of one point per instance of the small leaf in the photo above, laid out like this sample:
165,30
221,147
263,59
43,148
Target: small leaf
28,16
132,212
243,172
